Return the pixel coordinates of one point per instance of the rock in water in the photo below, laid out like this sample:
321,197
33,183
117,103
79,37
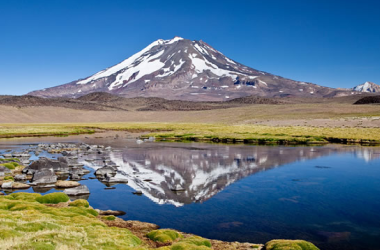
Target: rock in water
20,177
111,212
81,190
7,185
45,163
67,184
18,185
46,176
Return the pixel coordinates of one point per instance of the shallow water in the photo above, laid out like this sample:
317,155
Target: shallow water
328,195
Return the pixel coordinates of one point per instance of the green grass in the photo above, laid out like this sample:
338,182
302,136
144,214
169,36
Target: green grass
53,198
197,241
27,224
110,217
8,178
10,159
186,246
8,165
290,245
79,203
208,132
164,235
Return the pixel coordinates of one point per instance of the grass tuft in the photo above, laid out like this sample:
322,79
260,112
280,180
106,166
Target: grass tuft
196,240
79,203
110,217
164,235
290,245
27,224
53,198
8,165
8,178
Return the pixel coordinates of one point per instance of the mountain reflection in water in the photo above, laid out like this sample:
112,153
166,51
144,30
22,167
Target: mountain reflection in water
203,170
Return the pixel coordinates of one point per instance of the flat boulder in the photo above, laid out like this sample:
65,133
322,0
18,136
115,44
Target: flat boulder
7,185
46,176
20,177
81,190
111,212
18,185
59,165
67,184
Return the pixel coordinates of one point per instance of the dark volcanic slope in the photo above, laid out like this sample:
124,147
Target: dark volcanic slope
181,69
369,100
33,101
107,102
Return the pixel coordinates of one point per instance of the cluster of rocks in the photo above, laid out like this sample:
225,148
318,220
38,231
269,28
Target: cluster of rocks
48,173
63,172
22,156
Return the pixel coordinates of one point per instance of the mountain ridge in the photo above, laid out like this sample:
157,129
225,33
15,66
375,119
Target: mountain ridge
368,87
181,69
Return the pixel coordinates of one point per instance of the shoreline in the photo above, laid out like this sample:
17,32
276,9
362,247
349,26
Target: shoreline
234,245
80,215
211,133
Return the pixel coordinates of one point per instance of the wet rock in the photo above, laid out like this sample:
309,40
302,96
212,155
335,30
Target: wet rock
43,163
4,170
81,190
137,192
77,171
111,212
108,188
7,185
44,177
67,184
20,177
18,185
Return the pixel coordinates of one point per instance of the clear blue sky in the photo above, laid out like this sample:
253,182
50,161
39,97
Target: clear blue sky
52,42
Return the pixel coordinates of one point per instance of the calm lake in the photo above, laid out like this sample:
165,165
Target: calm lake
329,195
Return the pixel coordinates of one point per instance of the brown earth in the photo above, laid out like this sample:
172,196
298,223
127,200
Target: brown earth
101,107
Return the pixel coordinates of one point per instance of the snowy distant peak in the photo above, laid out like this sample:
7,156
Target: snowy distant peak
367,87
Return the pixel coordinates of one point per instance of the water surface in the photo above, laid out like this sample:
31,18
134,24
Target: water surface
328,194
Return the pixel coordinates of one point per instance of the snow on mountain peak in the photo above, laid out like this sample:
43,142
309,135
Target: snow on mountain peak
150,60
367,87
182,69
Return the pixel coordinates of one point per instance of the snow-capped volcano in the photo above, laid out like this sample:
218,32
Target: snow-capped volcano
367,87
187,70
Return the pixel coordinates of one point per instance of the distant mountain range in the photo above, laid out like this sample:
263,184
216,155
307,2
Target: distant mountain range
368,87
181,69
